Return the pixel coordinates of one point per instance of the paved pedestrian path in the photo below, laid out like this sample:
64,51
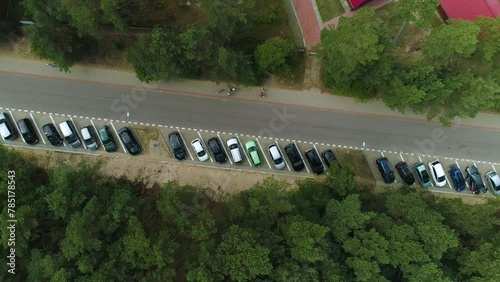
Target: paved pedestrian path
295,98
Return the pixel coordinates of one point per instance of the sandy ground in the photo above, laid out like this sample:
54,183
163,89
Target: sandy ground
154,173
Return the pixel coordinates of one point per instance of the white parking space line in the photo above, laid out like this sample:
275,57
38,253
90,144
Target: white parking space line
240,145
322,163
401,156
38,129
224,148
466,184
57,129
98,140
17,126
382,153
283,156
420,159
78,132
493,168
119,139
205,146
302,158
263,153
184,141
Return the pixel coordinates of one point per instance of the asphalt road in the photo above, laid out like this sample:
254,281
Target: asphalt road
227,115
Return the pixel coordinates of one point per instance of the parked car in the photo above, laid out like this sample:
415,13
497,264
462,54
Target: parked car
294,156
314,160
405,173
437,172
385,170
27,131
217,149
199,149
457,178
52,135
422,175
476,184
89,138
253,153
493,181
329,158
129,141
279,162
107,139
234,149
7,128
177,145
70,134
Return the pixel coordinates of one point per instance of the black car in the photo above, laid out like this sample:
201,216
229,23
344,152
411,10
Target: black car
294,156
314,160
7,128
129,141
405,173
385,169
27,131
476,184
52,135
216,148
177,145
329,158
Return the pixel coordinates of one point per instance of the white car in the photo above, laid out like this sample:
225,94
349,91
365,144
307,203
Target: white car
234,148
279,162
200,150
437,173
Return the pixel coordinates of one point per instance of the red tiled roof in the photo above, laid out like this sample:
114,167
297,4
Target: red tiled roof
356,3
471,9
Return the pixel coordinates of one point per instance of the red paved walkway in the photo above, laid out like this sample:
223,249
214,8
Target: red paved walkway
308,22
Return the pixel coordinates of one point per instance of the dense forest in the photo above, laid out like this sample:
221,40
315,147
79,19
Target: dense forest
75,225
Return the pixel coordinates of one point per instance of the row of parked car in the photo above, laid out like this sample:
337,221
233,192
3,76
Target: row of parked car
473,177
234,148
69,133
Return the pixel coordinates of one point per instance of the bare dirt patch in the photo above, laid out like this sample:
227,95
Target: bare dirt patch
358,161
152,173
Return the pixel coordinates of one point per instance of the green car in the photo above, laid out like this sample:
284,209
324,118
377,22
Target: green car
253,153
107,139
422,175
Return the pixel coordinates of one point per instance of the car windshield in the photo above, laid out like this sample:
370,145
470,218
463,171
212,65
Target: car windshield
251,150
278,160
71,138
201,153
425,176
233,146
441,179
385,165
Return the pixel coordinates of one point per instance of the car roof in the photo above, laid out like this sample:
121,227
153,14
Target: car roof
273,149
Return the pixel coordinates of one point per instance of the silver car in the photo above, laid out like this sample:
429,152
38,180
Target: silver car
279,162
493,181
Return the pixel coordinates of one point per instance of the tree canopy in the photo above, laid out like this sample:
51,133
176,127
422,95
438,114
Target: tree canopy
74,224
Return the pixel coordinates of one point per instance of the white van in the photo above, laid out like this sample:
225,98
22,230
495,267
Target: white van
69,133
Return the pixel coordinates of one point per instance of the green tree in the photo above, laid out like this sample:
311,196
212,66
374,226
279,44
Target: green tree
305,239
228,18
156,56
197,50
489,37
240,257
346,51
345,217
421,13
272,55
341,180
60,45
458,38
111,12
488,270
84,16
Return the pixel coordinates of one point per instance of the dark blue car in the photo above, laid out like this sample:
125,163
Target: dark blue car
457,178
